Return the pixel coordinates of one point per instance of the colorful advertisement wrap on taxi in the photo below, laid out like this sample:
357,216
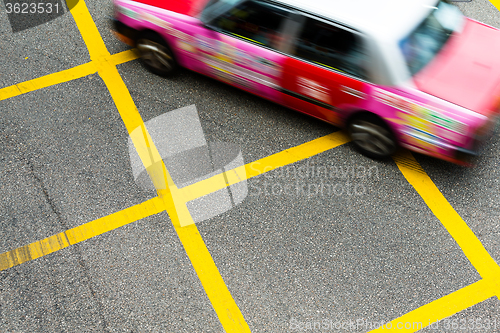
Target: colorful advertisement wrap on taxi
424,126
419,121
238,63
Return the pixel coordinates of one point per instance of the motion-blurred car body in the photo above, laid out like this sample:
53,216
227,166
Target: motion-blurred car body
413,73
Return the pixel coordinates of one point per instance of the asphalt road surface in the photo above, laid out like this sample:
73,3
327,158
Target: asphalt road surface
315,238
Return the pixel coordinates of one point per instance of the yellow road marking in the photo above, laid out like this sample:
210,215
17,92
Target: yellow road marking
496,3
116,220
124,56
475,251
263,165
48,80
88,31
441,308
458,229
208,273
472,247
418,178
224,305
78,234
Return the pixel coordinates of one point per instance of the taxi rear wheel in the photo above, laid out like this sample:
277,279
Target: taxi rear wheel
371,135
155,54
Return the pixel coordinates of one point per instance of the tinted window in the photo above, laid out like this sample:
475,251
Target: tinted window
254,21
331,46
425,42
216,7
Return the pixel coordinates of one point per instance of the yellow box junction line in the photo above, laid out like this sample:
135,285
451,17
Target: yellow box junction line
496,3
439,309
266,164
488,286
64,76
79,234
436,310
224,305
151,207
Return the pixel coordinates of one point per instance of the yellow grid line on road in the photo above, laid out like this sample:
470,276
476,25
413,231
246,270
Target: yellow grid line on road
94,228
441,308
266,164
224,305
187,232
496,3
456,226
472,247
48,80
78,234
64,76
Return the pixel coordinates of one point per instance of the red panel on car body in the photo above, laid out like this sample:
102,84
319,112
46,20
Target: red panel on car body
186,7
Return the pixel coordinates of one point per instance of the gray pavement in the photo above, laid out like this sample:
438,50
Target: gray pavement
373,253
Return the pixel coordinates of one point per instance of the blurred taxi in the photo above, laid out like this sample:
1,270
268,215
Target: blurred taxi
413,73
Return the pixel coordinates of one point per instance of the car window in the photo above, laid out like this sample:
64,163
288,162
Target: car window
215,8
331,46
254,21
425,42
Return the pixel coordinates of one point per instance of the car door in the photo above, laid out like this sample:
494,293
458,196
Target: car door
325,73
239,47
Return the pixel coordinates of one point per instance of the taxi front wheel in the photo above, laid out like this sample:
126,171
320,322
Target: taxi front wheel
155,54
371,136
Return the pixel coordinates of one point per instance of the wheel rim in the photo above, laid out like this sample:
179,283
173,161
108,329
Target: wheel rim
155,55
372,137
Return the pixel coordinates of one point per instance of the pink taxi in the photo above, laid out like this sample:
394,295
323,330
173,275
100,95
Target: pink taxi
412,73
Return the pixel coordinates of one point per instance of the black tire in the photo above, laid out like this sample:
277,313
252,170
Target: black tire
371,135
155,53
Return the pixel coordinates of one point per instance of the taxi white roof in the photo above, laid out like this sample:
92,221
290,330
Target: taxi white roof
385,19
